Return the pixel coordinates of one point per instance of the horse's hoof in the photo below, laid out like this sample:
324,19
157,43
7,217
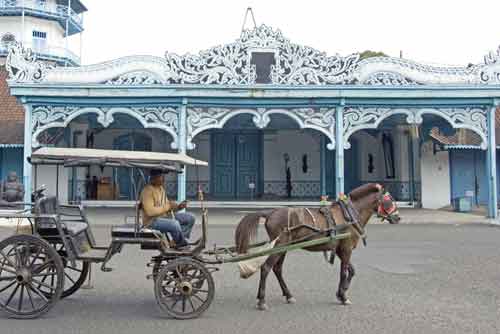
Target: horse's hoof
291,300
347,302
262,307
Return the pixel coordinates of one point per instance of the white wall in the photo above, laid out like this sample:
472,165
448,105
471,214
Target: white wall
46,175
369,144
296,143
435,175
55,33
55,41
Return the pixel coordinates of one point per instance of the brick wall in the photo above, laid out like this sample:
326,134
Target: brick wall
11,114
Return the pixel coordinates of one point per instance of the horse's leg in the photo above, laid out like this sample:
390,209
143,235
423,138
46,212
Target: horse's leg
278,271
346,274
264,271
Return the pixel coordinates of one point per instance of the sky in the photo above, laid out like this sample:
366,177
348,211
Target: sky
433,31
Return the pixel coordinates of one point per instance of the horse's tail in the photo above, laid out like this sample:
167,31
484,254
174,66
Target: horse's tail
246,231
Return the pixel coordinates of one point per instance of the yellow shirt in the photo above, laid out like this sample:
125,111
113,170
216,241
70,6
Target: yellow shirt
154,203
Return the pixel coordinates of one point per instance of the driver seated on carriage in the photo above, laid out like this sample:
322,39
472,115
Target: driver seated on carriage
158,213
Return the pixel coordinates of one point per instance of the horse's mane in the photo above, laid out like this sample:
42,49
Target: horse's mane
364,190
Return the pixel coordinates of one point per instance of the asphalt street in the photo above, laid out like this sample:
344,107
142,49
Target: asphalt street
410,279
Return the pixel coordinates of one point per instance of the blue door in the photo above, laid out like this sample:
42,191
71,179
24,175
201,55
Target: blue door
223,162
248,164
481,178
468,174
236,158
128,178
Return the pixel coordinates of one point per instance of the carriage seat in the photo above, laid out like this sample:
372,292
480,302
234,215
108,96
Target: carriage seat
46,226
128,231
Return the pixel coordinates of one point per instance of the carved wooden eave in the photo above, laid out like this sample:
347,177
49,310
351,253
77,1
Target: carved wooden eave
230,65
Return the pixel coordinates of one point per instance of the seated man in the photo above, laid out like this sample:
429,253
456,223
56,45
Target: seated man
156,206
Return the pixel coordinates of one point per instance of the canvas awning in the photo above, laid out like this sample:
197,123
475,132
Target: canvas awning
74,157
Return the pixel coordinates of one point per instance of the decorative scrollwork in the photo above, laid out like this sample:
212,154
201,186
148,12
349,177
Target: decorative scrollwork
201,119
472,118
231,64
489,73
389,79
22,65
397,71
46,116
136,78
302,65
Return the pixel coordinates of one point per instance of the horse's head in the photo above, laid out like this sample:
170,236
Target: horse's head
386,207
373,198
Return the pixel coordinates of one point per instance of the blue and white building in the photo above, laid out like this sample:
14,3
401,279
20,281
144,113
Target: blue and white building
45,27
254,107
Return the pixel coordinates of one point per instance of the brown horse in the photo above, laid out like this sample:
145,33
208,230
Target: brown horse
366,200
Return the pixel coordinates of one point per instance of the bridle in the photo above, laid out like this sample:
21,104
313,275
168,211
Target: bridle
386,209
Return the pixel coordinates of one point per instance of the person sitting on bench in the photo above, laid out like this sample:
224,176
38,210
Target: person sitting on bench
158,211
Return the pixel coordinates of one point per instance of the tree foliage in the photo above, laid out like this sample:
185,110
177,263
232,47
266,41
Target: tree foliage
369,53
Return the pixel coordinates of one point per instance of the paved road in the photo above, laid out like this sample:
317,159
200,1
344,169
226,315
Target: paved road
410,279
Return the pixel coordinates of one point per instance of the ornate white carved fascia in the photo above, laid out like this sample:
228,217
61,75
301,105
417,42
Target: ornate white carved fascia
472,118
22,65
230,64
388,79
46,116
136,78
490,71
201,119
397,71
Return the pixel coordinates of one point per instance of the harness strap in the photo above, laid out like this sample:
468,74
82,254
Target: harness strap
354,215
330,222
312,216
351,214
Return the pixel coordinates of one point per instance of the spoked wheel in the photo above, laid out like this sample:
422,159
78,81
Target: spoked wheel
29,270
74,276
184,288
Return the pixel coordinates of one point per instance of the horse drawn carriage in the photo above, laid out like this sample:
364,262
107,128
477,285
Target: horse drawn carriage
39,268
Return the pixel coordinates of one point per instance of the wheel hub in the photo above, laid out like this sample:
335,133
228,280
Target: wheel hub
185,288
23,276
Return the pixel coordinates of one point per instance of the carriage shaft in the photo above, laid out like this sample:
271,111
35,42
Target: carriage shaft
286,248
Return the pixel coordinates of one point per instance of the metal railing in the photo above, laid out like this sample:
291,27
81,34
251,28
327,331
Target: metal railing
40,7
49,52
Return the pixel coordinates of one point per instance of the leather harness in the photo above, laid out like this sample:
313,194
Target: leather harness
351,216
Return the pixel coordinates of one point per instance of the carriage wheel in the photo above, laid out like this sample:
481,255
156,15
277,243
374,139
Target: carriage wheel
184,288
29,267
74,276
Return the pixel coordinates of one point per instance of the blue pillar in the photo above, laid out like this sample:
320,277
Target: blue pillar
492,166
27,153
339,150
181,178
322,158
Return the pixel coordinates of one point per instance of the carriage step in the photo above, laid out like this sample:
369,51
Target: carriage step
94,255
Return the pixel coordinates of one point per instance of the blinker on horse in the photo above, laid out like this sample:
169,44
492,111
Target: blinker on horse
286,225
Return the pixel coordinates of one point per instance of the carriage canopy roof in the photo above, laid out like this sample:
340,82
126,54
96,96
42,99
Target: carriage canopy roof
73,157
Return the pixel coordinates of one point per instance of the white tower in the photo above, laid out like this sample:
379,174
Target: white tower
44,26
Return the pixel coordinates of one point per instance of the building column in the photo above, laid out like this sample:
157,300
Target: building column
339,150
322,158
27,153
491,166
181,177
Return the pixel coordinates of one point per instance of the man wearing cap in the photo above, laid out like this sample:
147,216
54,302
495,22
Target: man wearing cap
158,211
